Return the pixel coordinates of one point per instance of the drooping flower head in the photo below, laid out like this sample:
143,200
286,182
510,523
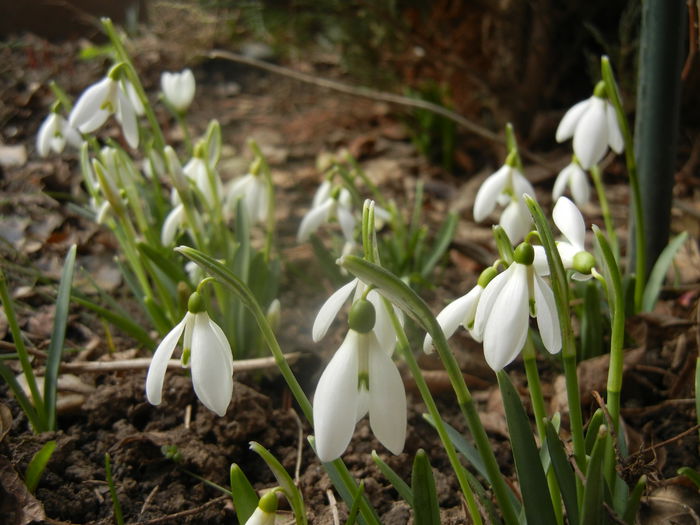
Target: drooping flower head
593,125
506,187
55,133
329,203
178,88
361,378
205,350
204,175
99,101
251,191
505,306
573,177
265,512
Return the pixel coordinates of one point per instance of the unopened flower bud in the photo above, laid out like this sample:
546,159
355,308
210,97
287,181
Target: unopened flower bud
362,316
524,254
583,262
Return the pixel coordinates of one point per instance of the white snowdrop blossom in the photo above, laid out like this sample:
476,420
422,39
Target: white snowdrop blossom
383,328
329,204
198,172
101,100
251,190
54,133
461,311
569,220
361,378
172,224
505,187
205,350
576,179
507,302
178,88
265,512
593,125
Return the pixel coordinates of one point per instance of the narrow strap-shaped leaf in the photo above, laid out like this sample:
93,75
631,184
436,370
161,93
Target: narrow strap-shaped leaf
591,321
692,474
594,490
57,338
125,324
355,509
162,260
463,446
426,510
245,499
658,272
635,498
399,484
116,505
292,493
597,419
564,472
24,402
37,465
533,483
442,242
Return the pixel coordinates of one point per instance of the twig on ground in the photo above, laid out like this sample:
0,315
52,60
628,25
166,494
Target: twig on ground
184,513
334,507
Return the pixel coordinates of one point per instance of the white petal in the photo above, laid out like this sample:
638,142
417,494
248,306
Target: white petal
46,133
387,400
347,223
569,220
330,309
488,193
547,318
459,311
134,98
171,225
515,221
487,300
521,186
322,193
127,116
258,201
383,328
87,114
211,368
567,251
591,135
567,126
561,182
159,363
540,262
335,401
260,517
313,220
615,140
71,134
580,189
506,327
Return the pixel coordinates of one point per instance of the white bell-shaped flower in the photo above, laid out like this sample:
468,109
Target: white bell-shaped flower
54,133
251,190
178,88
361,378
101,100
198,172
506,187
507,302
205,350
593,125
461,311
329,204
573,177
265,512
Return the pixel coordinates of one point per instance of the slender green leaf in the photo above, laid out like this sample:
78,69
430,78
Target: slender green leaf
597,419
564,472
37,465
658,272
355,509
125,324
591,321
57,338
426,510
692,474
462,445
442,242
163,260
594,490
533,483
116,506
630,515
245,499
399,484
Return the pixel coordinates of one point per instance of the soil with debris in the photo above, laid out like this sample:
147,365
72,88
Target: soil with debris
166,459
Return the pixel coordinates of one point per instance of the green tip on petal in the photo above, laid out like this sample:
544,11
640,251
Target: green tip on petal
195,303
524,253
583,262
268,503
362,316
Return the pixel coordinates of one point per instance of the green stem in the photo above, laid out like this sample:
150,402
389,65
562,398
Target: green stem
597,177
405,350
270,219
639,231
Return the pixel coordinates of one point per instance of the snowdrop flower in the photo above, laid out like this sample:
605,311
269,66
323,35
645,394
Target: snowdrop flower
361,378
264,513
593,125
101,100
572,251
575,178
251,190
506,303
383,328
178,88
54,133
461,311
172,224
506,187
329,204
205,349
198,172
